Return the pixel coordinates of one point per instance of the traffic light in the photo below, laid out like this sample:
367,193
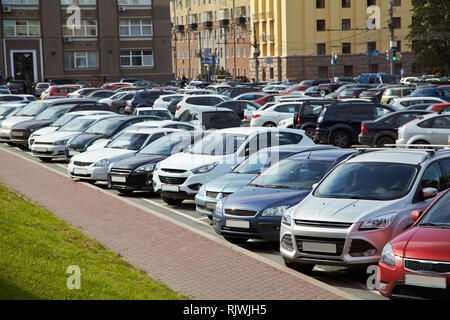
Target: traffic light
388,55
396,56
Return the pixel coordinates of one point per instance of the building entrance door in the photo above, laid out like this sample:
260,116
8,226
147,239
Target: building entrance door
24,65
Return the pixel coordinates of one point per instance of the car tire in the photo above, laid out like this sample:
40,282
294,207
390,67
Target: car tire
341,139
300,267
121,110
381,142
310,133
236,240
23,148
270,125
323,93
46,160
171,201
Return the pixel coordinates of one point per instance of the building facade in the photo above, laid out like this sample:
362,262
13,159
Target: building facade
218,30
300,36
87,40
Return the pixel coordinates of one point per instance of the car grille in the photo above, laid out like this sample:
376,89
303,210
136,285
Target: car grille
82,164
323,224
76,146
240,213
287,243
18,133
45,143
176,171
427,266
339,244
120,171
172,180
402,290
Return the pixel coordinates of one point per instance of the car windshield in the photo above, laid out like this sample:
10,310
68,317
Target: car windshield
5,110
129,141
423,91
118,96
312,89
439,214
218,144
32,109
167,145
77,125
163,114
106,127
65,119
257,162
51,114
368,181
293,174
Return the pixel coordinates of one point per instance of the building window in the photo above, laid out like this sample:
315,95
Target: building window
346,48
348,71
136,58
320,25
135,28
134,2
88,28
79,2
397,3
371,46
320,4
346,24
21,28
321,48
81,60
397,23
345,3
371,3
20,2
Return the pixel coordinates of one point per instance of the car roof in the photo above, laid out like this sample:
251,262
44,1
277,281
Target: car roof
327,154
405,156
92,112
97,116
297,148
252,130
151,130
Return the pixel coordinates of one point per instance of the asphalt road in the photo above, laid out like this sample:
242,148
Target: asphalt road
350,281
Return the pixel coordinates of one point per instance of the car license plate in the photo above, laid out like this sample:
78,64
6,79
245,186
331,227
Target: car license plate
72,153
425,281
170,188
40,149
80,171
241,224
319,247
118,179
211,205
18,134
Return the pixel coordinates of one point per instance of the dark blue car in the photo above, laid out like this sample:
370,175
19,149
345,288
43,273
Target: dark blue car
437,92
254,212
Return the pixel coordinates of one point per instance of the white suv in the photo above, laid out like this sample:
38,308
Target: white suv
272,116
208,100
360,206
430,129
180,176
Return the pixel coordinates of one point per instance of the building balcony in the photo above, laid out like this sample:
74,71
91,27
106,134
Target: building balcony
208,24
224,22
241,21
179,27
193,26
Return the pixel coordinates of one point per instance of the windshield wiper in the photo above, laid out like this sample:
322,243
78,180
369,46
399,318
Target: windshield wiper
433,225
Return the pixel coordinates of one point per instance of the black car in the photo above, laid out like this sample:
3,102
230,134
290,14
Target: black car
146,98
18,86
237,91
136,172
306,118
118,101
340,124
209,118
173,105
383,131
22,131
240,106
103,129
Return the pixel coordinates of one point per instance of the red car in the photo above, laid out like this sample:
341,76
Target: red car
416,264
266,99
441,107
294,88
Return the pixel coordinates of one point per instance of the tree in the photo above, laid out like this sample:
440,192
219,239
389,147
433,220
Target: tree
430,34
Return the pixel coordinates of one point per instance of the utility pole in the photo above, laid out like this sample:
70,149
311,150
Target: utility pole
234,37
175,36
391,29
189,43
256,52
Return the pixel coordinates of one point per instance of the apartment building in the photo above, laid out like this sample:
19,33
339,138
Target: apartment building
217,29
87,40
296,38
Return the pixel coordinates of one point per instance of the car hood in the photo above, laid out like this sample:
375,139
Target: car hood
187,161
258,199
423,244
229,183
45,130
33,124
9,123
105,153
86,138
56,136
340,210
137,160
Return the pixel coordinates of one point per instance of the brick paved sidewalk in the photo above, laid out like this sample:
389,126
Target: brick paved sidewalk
188,262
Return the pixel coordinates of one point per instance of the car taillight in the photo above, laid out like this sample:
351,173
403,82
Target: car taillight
178,108
256,116
298,119
363,128
355,95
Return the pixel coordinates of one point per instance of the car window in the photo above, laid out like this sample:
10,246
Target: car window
287,108
184,127
363,112
434,178
311,110
248,106
213,101
441,123
406,117
186,116
285,138
381,112
447,109
220,120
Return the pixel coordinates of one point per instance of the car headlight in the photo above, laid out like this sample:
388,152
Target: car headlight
219,207
102,163
205,169
158,166
387,256
61,142
274,212
381,222
286,217
145,168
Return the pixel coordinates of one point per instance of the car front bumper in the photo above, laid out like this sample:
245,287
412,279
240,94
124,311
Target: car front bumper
87,172
5,135
48,151
130,180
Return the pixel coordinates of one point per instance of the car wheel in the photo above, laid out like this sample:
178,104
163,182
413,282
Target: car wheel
381,142
171,201
323,93
300,267
270,125
310,133
236,240
341,139
121,110
46,159
126,192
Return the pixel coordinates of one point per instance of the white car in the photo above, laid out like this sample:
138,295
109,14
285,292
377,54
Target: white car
181,176
286,123
53,145
93,165
164,101
272,116
209,100
430,129
63,120
403,103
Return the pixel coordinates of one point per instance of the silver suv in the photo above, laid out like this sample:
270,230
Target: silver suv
360,206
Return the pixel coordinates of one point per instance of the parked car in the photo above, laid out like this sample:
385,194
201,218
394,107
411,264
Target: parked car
254,212
93,165
81,93
8,108
164,114
116,85
39,88
118,101
100,94
416,264
22,98
295,88
438,92
270,98
380,78
208,118
384,130
406,102
145,98
135,173
398,92
59,91
52,145
360,206
181,176
209,100
233,92
244,109
103,129
432,129
18,86
308,114
340,124
212,192
164,101
351,93
271,116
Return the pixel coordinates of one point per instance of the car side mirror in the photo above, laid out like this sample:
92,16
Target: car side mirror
176,119
429,193
416,214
